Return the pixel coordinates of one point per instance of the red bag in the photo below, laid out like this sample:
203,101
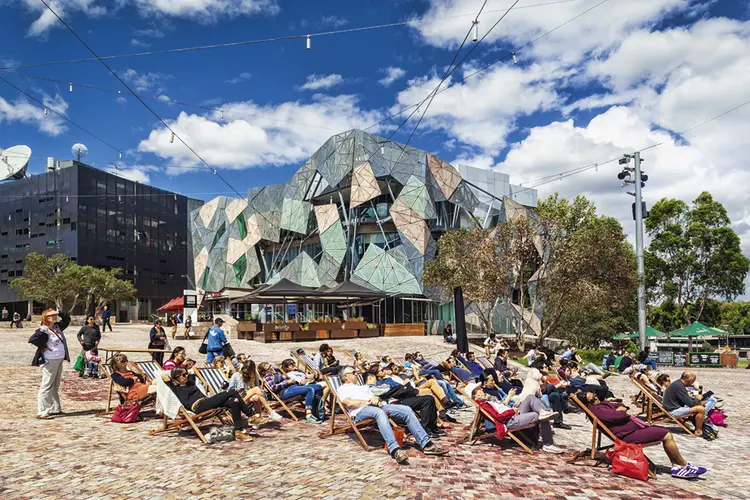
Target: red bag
127,414
398,433
628,460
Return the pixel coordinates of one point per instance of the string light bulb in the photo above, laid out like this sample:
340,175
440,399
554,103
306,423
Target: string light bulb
45,111
71,87
222,114
121,155
475,31
171,139
308,42
515,59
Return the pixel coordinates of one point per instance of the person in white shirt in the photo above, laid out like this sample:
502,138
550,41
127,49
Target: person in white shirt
530,356
362,405
491,344
52,350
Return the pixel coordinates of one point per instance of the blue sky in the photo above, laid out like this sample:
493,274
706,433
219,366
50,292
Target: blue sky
624,76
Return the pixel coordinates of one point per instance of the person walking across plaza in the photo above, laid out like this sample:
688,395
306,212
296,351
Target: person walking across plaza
157,340
173,324
106,313
216,340
16,320
5,314
51,351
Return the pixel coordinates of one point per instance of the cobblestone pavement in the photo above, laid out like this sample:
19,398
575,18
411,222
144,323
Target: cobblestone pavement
81,455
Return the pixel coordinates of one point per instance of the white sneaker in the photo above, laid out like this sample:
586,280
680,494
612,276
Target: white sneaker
275,416
551,448
547,415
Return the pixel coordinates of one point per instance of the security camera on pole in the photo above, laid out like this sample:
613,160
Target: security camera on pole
639,213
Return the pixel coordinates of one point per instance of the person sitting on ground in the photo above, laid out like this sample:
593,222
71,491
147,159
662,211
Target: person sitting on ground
89,335
177,358
618,359
246,383
325,361
569,354
529,411
491,344
633,430
448,334
92,361
626,363
643,358
362,405
286,387
530,356
193,399
123,375
428,387
679,403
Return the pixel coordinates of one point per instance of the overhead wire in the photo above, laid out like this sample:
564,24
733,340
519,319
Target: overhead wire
268,40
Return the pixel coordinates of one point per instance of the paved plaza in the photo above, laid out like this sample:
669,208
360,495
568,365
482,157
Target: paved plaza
80,455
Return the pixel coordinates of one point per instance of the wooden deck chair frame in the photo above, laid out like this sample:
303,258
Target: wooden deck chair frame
477,423
350,425
301,363
118,389
598,428
279,402
653,401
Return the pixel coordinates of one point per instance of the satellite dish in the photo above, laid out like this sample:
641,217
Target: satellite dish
79,150
13,162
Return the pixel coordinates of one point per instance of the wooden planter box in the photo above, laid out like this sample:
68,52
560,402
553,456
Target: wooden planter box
264,337
305,335
247,329
369,332
286,336
322,334
281,328
404,330
316,325
355,325
344,334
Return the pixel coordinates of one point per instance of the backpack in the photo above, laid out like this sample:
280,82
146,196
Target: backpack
219,434
710,431
717,417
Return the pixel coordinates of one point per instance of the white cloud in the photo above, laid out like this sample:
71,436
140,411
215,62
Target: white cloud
144,82
239,78
272,135
136,173
138,43
165,99
47,20
318,82
333,21
392,74
27,113
149,32
121,100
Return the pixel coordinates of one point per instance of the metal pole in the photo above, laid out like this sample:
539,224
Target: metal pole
639,252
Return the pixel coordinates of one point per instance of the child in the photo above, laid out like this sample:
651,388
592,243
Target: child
92,361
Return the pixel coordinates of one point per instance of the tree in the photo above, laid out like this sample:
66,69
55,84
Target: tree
694,255
736,315
468,258
60,282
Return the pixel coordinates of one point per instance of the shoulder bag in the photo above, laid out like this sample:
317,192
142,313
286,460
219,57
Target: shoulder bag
127,414
203,349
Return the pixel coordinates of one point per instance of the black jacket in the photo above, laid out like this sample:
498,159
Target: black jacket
39,338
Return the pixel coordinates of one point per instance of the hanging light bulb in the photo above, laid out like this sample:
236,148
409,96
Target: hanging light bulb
475,31
121,156
171,139
45,111
215,172
515,59
308,42
71,87
382,149
222,114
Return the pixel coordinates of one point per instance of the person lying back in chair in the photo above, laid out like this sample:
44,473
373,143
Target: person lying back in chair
362,405
530,411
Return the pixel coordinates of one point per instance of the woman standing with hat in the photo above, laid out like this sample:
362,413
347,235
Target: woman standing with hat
52,350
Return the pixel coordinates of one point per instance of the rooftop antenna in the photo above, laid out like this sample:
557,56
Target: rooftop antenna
13,162
79,150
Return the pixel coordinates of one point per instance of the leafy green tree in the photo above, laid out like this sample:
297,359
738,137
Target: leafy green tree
693,256
102,286
736,316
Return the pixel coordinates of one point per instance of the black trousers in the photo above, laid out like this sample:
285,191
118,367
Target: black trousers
230,399
105,324
425,408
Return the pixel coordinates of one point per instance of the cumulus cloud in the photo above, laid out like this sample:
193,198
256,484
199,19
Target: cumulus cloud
27,113
139,44
334,21
322,82
392,74
274,135
145,82
136,173
239,78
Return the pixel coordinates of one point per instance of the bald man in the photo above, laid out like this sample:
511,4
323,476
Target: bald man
679,403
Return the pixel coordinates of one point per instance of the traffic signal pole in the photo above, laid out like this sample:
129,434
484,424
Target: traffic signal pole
639,252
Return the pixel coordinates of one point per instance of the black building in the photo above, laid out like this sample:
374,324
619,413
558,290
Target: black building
102,220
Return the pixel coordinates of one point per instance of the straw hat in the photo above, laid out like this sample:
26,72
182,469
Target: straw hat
48,313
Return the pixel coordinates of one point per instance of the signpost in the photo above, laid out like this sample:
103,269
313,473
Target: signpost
704,359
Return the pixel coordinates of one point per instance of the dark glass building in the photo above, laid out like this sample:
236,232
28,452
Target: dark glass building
102,220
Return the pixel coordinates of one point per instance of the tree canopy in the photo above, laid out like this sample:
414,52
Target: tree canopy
58,281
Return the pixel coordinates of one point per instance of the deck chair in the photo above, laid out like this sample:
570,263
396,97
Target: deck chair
213,379
275,401
485,362
598,428
120,390
305,362
486,412
148,369
653,402
182,418
334,382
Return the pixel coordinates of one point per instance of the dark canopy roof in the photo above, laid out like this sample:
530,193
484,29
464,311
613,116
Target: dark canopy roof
349,289
286,288
287,291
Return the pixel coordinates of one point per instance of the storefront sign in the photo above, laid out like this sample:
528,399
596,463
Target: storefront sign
190,300
679,359
705,359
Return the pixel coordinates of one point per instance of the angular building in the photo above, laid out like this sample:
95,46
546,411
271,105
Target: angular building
361,209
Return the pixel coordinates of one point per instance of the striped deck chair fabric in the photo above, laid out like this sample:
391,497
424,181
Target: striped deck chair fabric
148,368
485,362
213,378
306,360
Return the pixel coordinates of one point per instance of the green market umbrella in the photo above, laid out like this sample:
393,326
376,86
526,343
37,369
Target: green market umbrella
696,329
650,333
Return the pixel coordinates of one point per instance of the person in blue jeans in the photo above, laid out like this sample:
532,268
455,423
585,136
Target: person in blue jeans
215,340
362,405
425,368
286,388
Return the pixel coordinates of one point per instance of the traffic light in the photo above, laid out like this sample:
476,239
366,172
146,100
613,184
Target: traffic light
643,210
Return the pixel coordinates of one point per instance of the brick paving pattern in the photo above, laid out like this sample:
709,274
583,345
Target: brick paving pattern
81,455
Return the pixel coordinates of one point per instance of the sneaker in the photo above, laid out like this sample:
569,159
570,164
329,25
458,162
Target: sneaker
545,415
312,420
697,469
400,456
551,448
433,449
684,472
275,416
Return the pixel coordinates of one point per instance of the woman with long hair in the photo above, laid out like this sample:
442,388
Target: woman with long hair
176,359
122,374
247,382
